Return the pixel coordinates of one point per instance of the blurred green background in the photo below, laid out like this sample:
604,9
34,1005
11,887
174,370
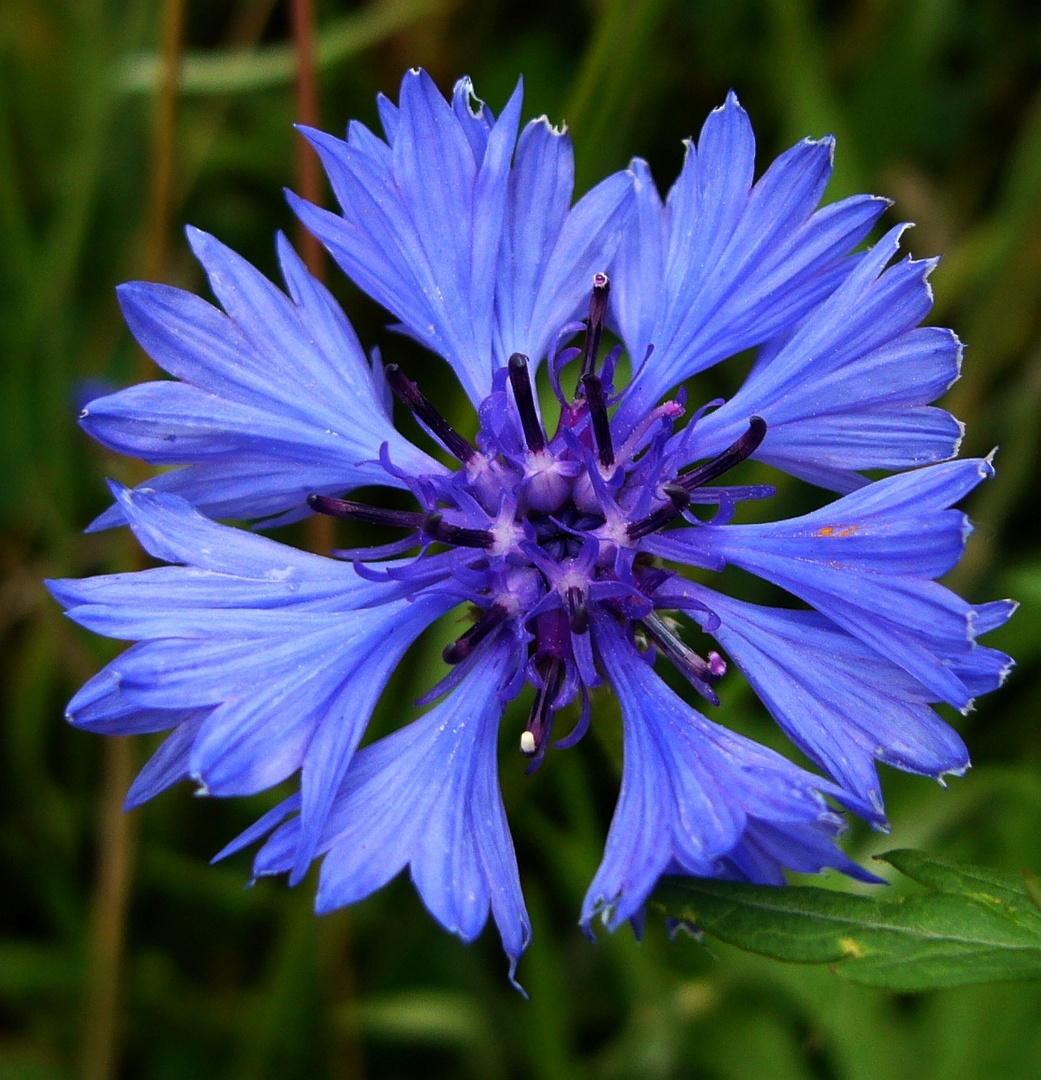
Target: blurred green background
122,953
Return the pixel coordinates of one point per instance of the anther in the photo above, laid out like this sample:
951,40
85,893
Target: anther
578,622
731,456
462,647
595,324
435,526
678,498
540,722
410,395
529,417
373,515
594,391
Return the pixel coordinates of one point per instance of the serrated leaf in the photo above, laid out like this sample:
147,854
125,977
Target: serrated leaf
973,926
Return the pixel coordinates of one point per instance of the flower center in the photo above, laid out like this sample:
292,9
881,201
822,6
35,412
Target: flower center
538,529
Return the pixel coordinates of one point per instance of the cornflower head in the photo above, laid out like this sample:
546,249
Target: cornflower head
567,545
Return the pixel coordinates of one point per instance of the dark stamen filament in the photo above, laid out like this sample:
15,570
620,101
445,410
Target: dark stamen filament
702,674
733,455
463,646
536,735
529,417
597,312
577,610
437,528
678,502
594,390
410,395
373,515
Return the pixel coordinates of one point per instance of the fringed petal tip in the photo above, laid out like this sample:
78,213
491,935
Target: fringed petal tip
941,778
855,871
867,806
674,927
512,975
603,909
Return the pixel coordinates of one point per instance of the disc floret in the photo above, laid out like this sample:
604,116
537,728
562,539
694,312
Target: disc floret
541,527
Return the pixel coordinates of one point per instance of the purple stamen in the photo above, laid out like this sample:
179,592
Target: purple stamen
437,528
373,515
731,456
706,496
375,553
580,728
463,646
410,395
594,391
534,436
667,412
597,313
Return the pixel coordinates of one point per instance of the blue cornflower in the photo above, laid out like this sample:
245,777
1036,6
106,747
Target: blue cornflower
265,661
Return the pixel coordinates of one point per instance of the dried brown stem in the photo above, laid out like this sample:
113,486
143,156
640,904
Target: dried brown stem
115,853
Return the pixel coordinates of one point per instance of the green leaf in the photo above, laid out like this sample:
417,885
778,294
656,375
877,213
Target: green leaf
973,925
1011,893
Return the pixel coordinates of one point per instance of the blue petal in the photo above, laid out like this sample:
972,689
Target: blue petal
707,201
360,138
697,799
284,652
388,117
381,637
242,486
421,226
584,247
172,530
819,448
491,207
839,701
477,259
740,264
261,827
266,388
170,423
427,797
435,174
167,765
101,707
866,562
768,848
636,273
227,570
850,388
474,116
540,187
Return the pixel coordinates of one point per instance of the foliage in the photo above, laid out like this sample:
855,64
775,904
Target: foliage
976,925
